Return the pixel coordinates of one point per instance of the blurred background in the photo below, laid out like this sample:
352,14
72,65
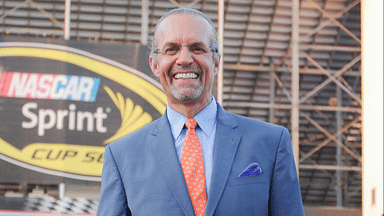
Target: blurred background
295,63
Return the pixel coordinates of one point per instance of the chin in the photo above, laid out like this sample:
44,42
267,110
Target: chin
187,95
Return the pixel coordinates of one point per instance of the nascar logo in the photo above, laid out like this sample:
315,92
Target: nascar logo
78,152
48,86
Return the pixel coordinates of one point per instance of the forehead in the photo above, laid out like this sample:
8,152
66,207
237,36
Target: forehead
183,29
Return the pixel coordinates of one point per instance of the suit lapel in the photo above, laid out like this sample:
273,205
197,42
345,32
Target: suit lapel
163,149
226,143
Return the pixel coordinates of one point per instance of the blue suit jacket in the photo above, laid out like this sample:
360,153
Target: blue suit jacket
142,174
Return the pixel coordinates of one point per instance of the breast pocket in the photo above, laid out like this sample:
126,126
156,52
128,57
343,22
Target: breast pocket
255,179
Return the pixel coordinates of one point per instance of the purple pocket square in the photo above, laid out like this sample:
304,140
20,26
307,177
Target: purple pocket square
252,169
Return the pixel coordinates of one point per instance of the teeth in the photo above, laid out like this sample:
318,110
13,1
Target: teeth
185,76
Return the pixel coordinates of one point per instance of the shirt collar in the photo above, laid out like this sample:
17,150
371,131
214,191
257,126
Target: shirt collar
206,119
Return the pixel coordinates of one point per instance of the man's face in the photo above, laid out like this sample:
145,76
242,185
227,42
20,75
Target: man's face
187,74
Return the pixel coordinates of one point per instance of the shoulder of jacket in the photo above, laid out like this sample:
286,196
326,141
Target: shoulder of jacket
135,136
244,121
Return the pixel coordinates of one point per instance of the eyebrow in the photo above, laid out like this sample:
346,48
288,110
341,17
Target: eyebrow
193,44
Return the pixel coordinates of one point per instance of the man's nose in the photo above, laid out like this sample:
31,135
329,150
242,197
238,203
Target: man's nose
185,56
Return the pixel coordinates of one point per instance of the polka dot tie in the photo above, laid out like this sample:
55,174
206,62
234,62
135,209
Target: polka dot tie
192,165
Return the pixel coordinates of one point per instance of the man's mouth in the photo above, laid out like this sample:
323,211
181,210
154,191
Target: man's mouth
186,76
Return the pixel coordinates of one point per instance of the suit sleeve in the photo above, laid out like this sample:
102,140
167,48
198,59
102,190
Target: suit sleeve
285,195
113,200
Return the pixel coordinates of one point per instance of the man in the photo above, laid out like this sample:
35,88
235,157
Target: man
225,165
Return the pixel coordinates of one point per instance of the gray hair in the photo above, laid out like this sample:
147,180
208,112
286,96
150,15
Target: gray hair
153,44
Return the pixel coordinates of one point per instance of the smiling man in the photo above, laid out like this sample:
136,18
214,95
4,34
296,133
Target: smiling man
198,159
185,61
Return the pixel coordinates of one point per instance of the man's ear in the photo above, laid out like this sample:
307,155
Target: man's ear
217,65
153,67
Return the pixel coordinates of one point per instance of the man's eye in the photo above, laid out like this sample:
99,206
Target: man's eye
198,50
170,51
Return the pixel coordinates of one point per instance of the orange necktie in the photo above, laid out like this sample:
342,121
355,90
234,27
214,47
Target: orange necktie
192,165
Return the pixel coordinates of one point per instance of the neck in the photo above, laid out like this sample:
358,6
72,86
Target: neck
189,108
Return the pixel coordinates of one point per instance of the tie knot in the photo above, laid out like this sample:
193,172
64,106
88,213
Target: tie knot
191,123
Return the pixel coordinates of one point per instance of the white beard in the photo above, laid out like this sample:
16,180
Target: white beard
193,93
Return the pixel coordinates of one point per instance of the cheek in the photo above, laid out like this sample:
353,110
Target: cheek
209,69
164,68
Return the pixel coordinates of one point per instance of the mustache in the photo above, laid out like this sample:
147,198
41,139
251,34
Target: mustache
192,67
